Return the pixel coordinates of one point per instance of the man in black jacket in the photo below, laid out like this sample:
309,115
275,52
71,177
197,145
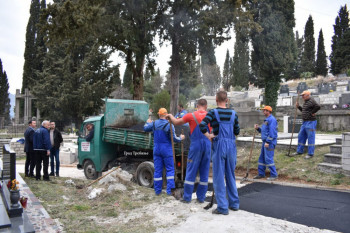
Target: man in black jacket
308,128
56,140
28,148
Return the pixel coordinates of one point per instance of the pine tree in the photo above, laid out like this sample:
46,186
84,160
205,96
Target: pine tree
4,95
226,73
30,52
272,46
321,60
308,56
340,27
73,85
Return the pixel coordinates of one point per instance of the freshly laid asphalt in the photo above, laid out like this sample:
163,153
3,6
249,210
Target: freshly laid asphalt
312,207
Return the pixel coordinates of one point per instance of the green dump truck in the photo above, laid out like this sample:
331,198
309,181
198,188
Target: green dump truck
116,140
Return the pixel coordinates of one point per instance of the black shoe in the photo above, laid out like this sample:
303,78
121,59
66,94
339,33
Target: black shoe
26,175
234,209
258,177
37,179
200,201
218,212
57,175
47,179
31,176
52,174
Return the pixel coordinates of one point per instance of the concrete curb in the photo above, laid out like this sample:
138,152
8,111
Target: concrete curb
296,185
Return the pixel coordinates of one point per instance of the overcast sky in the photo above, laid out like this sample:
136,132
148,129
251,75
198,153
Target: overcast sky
14,15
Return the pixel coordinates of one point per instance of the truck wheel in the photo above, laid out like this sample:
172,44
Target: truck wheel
90,170
145,173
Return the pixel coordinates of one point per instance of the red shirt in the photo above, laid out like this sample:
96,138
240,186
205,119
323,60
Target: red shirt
188,118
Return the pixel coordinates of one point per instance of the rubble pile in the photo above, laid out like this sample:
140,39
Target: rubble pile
117,180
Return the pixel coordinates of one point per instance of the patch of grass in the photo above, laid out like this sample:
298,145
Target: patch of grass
79,214
294,168
80,207
335,182
339,176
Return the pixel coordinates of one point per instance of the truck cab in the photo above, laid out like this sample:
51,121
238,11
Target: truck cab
95,155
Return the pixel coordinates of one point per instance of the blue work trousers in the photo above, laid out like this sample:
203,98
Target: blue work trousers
307,132
224,163
266,160
160,162
198,160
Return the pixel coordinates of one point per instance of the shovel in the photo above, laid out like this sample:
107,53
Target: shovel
207,207
182,158
172,144
82,186
295,116
250,157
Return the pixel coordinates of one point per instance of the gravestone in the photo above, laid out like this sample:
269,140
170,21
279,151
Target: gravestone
298,123
302,87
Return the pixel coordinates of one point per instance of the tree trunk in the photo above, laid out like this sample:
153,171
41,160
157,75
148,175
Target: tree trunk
137,78
175,67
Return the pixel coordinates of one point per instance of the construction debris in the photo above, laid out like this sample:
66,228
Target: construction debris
95,192
116,187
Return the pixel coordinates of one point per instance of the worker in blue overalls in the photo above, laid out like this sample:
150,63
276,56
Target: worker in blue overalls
198,159
162,151
181,111
268,132
224,122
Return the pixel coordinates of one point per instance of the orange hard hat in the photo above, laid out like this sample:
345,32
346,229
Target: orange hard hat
268,108
162,111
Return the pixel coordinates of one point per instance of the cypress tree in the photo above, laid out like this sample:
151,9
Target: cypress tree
240,66
189,76
300,47
127,78
321,59
4,95
30,52
226,74
210,70
147,75
272,46
342,53
308,56
340,27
